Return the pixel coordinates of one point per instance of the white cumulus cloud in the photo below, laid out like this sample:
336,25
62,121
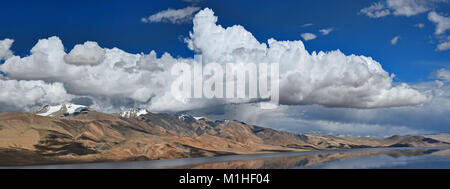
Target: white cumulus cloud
30,95
326,78
87,54
5,46
114,79
174,16
117,81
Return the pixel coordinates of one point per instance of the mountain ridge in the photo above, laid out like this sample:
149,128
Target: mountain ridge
91,136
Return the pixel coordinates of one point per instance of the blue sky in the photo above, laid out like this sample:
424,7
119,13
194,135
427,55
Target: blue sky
117,24
367,103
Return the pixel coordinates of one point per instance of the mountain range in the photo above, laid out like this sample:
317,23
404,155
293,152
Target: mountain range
70,133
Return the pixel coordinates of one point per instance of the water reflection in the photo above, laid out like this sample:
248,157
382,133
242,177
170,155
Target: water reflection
394,158
417,157
435,160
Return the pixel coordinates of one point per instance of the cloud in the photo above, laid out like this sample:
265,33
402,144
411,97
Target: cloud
361,129
376,10
326,31
442,22
442,25
174,16
307,25
430,117
443,46
120,80
330,79
409,7
30,95
114,79
400,7
419,25
442,74
308,36
5,51
87,54
416,119
395,40
321,120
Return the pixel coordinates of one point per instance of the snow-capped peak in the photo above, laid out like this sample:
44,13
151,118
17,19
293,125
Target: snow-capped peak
199,118
61,110
189,118
48,110
133,113
185,117
72,108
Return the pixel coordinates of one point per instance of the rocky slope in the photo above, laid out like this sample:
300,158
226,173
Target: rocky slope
71,135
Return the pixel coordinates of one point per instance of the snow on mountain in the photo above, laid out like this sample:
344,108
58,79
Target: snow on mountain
61,110
185,117
133,113
199,118
48,110
72,108
189,118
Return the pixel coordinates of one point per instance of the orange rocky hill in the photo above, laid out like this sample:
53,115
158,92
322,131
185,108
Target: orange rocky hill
71,133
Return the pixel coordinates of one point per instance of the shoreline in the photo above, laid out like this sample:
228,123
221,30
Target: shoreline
180,162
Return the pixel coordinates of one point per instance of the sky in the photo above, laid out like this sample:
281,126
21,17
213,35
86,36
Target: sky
134,43
118,24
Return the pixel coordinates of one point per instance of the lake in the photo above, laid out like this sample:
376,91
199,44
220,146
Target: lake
364,158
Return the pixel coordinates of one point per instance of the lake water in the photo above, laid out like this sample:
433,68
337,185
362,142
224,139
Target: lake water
367,158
